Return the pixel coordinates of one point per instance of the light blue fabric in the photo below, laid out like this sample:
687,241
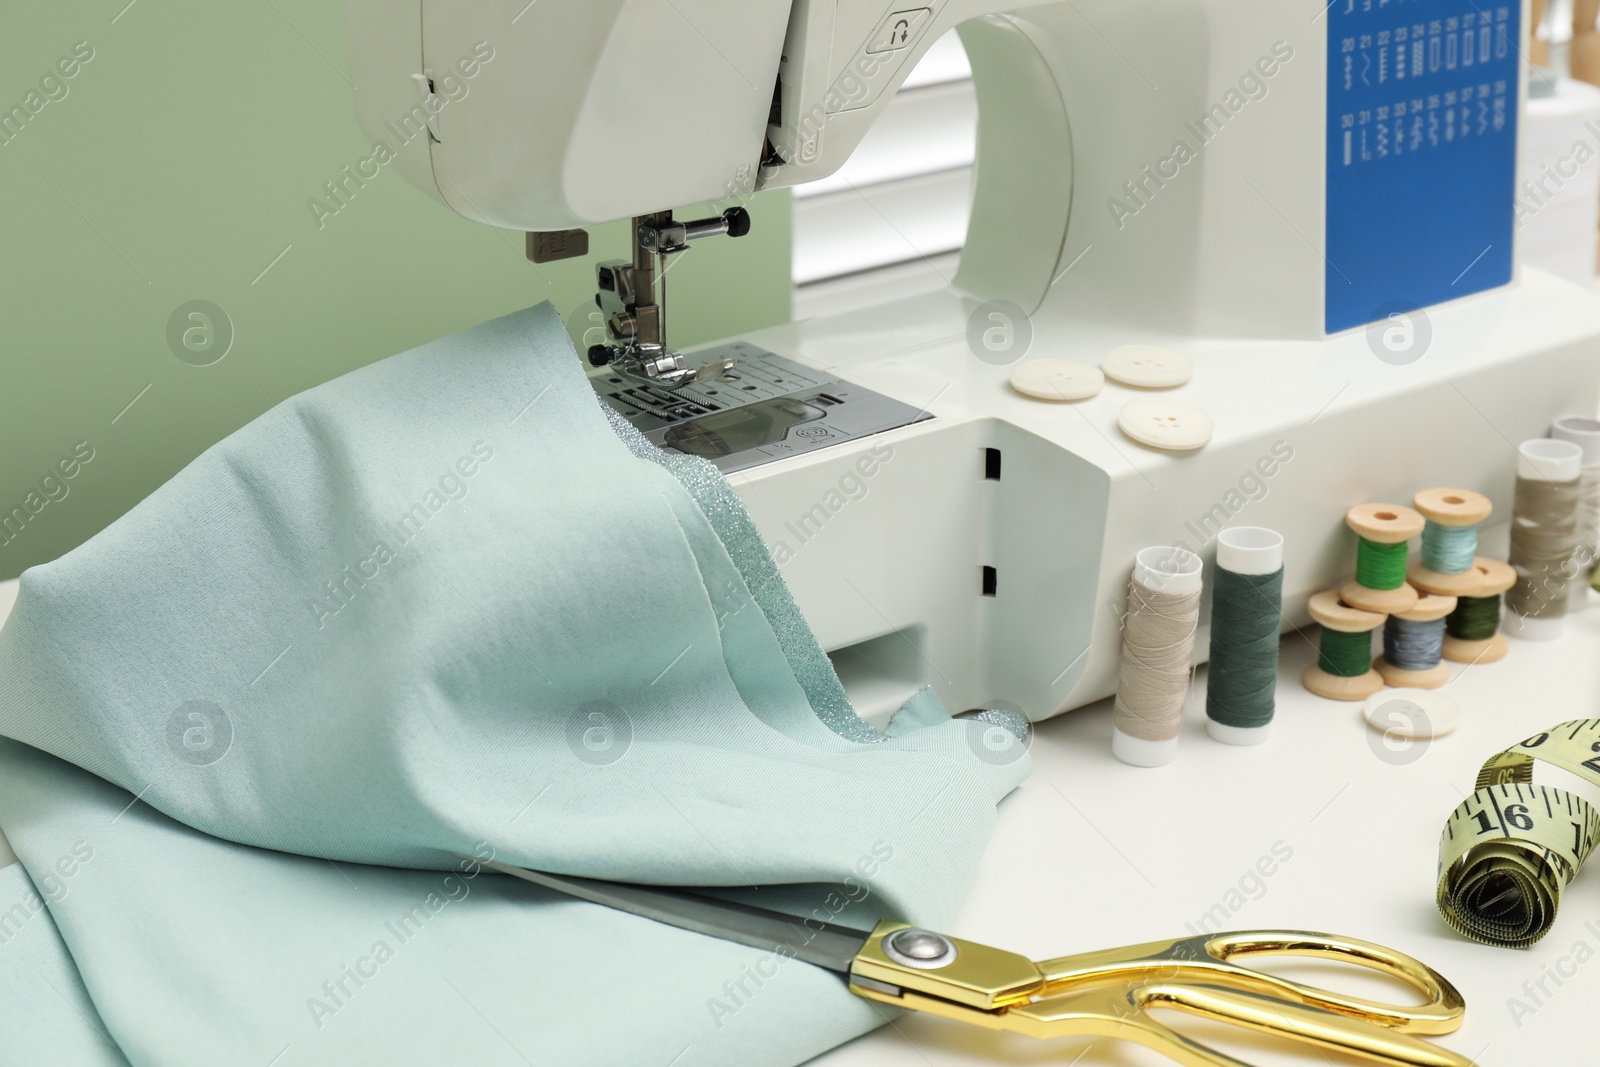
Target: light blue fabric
45,1013
442,605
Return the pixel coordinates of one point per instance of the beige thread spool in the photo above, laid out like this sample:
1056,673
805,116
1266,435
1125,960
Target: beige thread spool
1544,521
1495,579
1430,608
1331,613
1383,524
1585,433
1157,653
1455,508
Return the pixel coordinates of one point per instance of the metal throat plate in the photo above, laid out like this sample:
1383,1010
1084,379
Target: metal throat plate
765,408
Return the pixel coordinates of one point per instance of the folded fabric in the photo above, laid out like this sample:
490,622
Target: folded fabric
446,604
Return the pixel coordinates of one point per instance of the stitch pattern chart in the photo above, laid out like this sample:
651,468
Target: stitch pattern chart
1421,153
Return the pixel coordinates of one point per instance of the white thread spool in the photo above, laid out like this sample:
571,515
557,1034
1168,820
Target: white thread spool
1252,550
1585,433
1542,460
1173,572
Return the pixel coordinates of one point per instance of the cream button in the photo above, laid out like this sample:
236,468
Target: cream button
1418,713
1147,366
1169,424
1056,379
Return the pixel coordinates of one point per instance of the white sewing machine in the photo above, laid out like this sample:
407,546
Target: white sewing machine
1251,181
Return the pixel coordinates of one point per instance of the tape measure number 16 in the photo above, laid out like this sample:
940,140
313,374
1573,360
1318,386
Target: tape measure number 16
1512,847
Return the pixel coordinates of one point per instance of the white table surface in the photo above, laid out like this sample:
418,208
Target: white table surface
1090,853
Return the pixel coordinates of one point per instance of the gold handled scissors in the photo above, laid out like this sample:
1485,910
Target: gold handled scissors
1096,994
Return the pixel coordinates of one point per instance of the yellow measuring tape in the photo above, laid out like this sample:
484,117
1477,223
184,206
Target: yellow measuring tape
1510,849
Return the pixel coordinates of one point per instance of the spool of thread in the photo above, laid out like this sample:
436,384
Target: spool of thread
1471,632
1157,650
1449,540
1585,433
1413,645
1343,670
1246,613
1384,532
1544,522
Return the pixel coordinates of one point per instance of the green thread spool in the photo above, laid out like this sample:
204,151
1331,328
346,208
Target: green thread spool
1345,655
1343,670
1384,533
1472,630
1380,566
1476,618
1246,613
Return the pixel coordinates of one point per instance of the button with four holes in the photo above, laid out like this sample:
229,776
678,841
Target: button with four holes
1147,366
1056,379
1417,714
1169,424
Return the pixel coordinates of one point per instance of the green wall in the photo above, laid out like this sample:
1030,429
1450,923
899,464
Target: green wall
176,167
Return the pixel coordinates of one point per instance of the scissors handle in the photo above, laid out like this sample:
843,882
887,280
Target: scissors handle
1440,1013
1120,1010
1214,959
1111,993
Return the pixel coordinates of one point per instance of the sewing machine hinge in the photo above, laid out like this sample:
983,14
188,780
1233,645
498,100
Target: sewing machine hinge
552,245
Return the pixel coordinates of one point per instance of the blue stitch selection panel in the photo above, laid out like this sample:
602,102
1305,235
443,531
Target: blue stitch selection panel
1422,135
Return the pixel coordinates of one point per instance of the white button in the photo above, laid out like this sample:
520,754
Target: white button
898,30
1167,424
1148,366
1415,713
1056,379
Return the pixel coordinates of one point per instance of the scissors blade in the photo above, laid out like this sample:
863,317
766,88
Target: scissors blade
822,944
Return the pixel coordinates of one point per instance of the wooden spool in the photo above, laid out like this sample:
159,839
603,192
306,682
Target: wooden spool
1385,524
1327,609
1449,507
1429,609
1495,578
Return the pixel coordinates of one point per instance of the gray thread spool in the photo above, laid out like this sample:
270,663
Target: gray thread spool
1544,523
1585,433
1157,649
1412,645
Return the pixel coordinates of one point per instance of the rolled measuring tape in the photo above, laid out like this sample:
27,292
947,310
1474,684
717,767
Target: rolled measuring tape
1511,848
